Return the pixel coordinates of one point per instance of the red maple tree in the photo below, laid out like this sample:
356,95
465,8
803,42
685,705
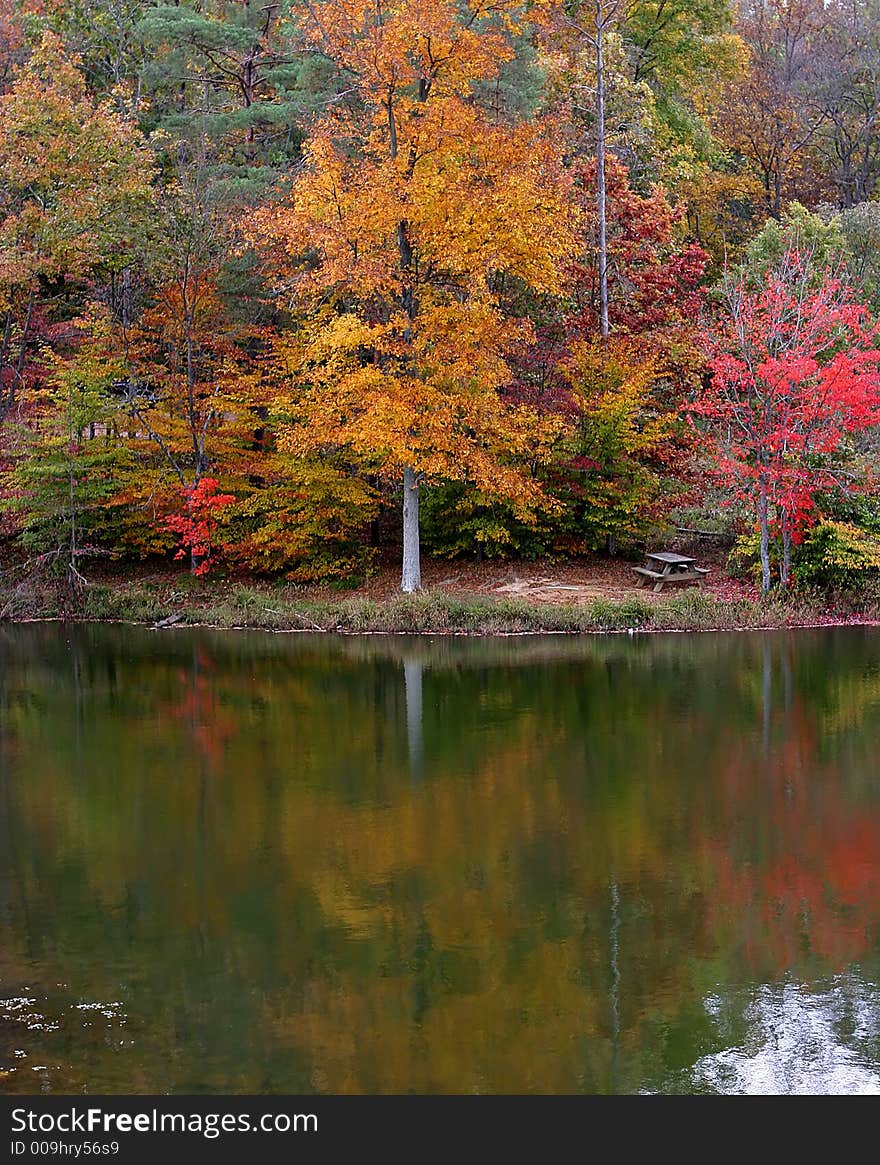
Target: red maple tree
793,369
198,523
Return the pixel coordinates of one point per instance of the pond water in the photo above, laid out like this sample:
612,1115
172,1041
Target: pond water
244,863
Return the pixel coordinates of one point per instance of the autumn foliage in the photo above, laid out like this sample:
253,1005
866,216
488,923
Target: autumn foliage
655,282
409,210
197,525
351,259
795,371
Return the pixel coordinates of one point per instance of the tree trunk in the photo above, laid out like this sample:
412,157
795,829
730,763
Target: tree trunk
4,348
126,304
195,560
785,572
411,578
777,192
73,572
600,172
765,537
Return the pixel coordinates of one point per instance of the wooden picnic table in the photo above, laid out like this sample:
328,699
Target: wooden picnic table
665,567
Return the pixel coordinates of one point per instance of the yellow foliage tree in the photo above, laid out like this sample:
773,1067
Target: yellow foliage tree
412,205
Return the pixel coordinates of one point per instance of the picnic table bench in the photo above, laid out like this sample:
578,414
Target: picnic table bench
665,567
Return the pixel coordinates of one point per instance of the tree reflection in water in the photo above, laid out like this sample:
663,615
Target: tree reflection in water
439,865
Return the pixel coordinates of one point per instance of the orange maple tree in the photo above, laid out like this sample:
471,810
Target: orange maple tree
413,203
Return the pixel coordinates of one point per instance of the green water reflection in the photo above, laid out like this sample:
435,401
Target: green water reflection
252,863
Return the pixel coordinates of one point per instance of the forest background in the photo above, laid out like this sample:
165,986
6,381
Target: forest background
290,289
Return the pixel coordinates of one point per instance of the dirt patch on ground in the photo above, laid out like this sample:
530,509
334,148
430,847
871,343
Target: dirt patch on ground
544,581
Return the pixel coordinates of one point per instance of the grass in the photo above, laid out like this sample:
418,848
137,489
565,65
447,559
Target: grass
433,611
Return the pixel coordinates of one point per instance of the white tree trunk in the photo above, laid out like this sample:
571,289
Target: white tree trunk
411,578
604,325
412,679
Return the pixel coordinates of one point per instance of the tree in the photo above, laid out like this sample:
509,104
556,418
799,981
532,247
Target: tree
675,43
772,115
849,93
197,526
799,230
860,227
662,61
11,40
615,470
230,72
102,37
70,465
412,206
631,82
794,369
654,278
187,385
175,369
603,15
74,193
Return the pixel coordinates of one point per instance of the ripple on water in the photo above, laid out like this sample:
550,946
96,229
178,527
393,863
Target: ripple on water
801,1042
25,1013
22,1009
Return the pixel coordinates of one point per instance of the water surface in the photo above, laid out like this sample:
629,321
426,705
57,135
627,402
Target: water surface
286,864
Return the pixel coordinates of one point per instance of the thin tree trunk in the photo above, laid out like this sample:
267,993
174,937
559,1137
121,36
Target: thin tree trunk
4,346
126,299
600,172
71,478
765,537
250,151
195,560
75,579
411,578
785,573
777,192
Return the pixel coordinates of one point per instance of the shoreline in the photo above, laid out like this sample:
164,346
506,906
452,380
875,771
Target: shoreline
538,634
434,611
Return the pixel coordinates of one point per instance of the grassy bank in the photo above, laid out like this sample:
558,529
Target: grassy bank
431,611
